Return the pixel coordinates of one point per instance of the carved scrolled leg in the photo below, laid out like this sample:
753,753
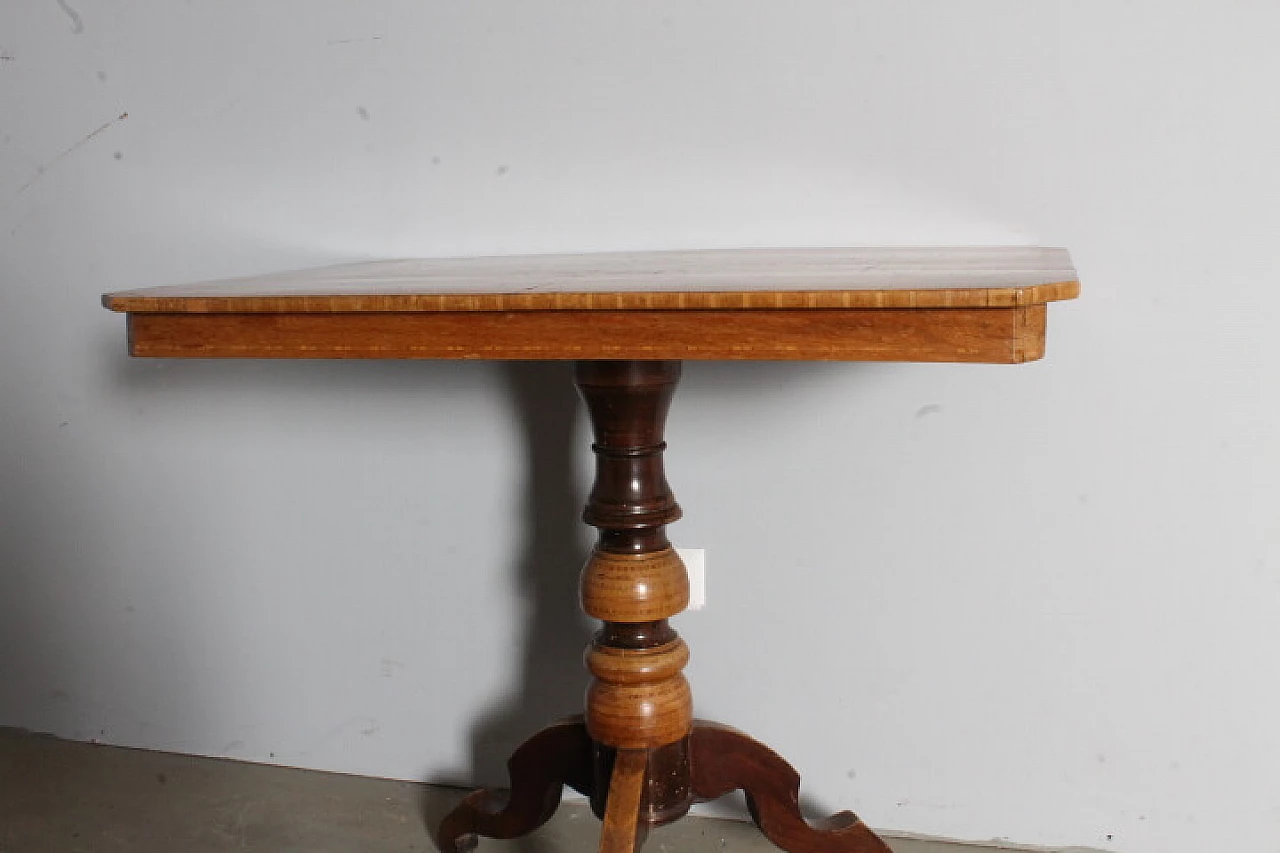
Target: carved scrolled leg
723,759
559,755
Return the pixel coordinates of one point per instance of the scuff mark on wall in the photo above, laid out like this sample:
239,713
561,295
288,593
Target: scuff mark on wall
77,25
40,170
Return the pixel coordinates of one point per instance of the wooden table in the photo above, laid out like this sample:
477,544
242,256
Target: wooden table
628,320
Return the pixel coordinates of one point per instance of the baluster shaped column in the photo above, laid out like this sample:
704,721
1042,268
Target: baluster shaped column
633,582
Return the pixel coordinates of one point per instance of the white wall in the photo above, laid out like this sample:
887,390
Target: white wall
1037,603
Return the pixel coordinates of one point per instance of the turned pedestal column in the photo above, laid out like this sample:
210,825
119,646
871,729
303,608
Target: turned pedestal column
637,752
639,706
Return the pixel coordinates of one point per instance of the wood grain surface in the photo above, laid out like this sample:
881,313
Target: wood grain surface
991,335
724,759
559,755
623,832
730,279
965,304
634,580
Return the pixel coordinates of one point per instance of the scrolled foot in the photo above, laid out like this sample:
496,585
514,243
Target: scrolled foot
723,759
559,755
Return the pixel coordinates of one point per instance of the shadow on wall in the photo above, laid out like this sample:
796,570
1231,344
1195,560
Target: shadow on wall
551,680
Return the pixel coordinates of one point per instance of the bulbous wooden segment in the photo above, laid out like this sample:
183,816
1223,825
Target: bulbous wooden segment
634,587
639,715
637,666
639,698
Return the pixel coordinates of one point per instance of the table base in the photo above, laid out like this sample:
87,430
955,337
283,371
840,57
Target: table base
637,752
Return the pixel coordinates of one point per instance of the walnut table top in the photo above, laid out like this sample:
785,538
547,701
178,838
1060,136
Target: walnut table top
868,304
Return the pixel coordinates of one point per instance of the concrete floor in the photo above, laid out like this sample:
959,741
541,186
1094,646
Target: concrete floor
63,797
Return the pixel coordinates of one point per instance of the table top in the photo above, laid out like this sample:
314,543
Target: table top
741,279
911,304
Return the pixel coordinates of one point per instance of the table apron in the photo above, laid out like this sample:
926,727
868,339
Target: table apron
988,335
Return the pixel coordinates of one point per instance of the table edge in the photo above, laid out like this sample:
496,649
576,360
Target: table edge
135,302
